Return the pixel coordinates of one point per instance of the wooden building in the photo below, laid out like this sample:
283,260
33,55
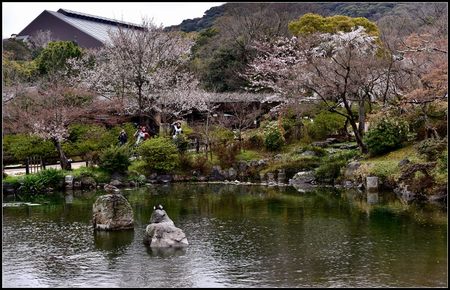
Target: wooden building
86,30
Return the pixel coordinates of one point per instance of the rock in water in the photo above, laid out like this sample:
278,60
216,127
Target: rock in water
162,232
111,188
112,212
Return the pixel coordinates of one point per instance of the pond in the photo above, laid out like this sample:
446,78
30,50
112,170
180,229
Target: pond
239,236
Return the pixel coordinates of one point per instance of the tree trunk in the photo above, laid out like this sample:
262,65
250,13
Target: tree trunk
351,118
345,130
240,139
207,135
361,117
65,164
140,105
358,137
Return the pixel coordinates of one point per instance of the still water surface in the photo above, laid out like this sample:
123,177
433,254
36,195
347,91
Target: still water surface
240,236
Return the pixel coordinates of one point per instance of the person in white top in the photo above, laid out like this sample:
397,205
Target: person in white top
177,129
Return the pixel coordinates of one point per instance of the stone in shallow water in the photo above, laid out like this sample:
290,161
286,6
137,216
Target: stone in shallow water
112,212
372,183
162,232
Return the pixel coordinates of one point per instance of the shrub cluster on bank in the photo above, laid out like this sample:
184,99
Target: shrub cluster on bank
286,145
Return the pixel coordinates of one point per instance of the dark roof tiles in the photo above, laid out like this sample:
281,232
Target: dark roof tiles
95,26
86,16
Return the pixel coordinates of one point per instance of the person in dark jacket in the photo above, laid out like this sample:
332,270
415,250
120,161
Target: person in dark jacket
123,137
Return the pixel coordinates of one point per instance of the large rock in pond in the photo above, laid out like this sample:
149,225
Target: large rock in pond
303,180
162,232
112,212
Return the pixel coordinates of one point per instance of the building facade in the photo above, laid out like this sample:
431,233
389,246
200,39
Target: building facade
86,30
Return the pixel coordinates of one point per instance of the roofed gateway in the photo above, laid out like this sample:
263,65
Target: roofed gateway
86,30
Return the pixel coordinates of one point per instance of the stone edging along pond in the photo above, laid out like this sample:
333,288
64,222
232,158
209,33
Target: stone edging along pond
248,173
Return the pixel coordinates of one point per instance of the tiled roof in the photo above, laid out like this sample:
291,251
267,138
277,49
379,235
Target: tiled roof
95,26
76,14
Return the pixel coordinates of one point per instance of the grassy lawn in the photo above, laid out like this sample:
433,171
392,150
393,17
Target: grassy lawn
247,155
386,166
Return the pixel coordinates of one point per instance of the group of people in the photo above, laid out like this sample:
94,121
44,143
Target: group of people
142,134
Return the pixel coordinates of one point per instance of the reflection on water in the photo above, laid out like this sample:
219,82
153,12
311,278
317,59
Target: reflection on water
372,197
113,242
239,236
69,198
165,252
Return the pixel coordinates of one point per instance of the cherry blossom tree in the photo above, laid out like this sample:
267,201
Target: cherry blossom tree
142,71
342,69
47,112
424,75
98,71
182,96
46,104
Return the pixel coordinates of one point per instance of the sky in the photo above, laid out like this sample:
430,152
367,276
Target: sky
17,15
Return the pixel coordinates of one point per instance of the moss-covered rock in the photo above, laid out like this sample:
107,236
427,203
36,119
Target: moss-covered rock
112,212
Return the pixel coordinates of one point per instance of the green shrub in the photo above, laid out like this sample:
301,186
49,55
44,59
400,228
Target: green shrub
221,135
138,167
55,55
13,180
305,137
83,172
181,142
34,184
86,139
196,162
416,122
224,146
273,138
139,179
52,177
93,157
292,124
386,135
330,170
431,148
17,147
98,174
185,162
186,129
318,150
330,167
115,159
226,153
325,123
443,161
435,116
273,141
200,164
255,141
160,154
31,185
